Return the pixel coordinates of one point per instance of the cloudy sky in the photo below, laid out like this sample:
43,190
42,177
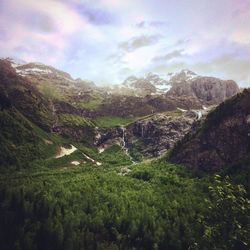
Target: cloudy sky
108,40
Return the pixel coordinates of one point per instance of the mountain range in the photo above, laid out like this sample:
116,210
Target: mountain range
147,164
52,99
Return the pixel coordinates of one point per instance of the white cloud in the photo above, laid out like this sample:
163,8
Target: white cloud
192,33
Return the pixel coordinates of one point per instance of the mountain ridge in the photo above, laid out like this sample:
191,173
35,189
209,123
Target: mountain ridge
56,102
222,139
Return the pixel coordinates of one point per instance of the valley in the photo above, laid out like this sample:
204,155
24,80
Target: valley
148,164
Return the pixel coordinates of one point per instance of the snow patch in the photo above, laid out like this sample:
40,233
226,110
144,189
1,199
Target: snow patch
75,163
65,151
34,70
183,110
100,150
92,160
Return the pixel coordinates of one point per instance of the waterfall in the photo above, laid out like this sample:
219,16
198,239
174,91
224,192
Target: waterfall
199,114
123,138
54,115
124,144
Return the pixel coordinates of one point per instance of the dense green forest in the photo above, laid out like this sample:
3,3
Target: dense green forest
157,205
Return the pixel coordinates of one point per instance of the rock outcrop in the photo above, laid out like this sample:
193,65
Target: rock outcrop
207,90
152,136
160,132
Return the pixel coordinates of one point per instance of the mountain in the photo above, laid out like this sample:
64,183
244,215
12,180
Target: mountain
79,169
206,90
222,139
15,62
25,116
150,84
49,80
24,96
79,110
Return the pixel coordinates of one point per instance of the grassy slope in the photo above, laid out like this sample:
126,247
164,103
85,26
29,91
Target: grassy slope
69,119
112,121
23,145
21,141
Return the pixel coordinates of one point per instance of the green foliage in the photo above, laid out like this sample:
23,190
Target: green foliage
92,104
114,156
155,206
21,141
86,208
135,150
75,120
112,121
239,174
227,223
51,92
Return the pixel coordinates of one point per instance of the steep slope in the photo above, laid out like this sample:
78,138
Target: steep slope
25,97
21,142
222,139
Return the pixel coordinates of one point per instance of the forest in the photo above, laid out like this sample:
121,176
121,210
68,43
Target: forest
157,205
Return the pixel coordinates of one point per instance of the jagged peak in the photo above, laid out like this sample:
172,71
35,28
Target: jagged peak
15,62
188,72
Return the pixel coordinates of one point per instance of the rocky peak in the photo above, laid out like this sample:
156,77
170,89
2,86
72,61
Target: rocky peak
14,62
39,69
207,90
184,75
130,81
149,84
212,90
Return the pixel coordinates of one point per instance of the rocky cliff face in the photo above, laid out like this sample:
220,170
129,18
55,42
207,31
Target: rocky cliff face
207,90
152,136
160,132
222,139
77,133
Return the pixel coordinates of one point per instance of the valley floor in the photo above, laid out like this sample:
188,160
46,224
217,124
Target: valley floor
155,205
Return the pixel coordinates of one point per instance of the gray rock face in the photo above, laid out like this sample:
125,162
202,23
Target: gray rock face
161,132
213,90
152,136
208,90
78,134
